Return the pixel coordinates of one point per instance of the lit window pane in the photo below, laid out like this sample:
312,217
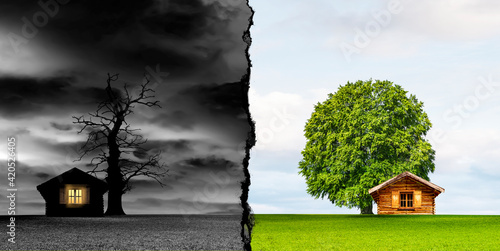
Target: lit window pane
75,196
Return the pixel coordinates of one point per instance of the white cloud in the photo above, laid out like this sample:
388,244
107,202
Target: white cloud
468,150
276,182
279,120
451,19
380,32
31,59
266,209
280,117
466,192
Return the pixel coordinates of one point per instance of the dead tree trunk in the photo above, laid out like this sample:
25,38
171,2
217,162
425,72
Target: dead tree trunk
114,199
115,177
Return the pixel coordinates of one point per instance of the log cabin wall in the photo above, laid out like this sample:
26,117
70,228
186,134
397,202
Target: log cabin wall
56,195
386,204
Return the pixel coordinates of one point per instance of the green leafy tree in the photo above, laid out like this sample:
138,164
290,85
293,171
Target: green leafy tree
364,134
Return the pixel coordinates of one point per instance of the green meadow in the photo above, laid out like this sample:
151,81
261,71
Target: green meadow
376,232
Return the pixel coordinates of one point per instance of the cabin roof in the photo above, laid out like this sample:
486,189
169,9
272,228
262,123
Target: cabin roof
74,176
406,174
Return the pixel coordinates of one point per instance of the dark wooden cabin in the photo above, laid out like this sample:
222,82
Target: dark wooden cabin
73,193
406,194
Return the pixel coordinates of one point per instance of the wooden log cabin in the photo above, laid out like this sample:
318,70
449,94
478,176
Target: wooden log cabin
73,193
406,194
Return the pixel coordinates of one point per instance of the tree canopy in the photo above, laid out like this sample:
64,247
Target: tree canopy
364,134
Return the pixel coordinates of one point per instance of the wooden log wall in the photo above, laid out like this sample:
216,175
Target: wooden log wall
383,198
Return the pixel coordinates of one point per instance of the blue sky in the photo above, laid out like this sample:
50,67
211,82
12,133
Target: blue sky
444,52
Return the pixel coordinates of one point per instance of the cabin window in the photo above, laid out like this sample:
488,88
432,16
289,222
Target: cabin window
406,200
75,196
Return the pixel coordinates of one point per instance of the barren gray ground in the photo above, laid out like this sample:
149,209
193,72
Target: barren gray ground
131,232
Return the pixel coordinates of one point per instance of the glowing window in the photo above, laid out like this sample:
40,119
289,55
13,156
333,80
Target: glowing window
75,196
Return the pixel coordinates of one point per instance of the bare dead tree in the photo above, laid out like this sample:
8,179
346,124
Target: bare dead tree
114,143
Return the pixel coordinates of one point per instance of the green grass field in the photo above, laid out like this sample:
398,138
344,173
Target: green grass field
376,232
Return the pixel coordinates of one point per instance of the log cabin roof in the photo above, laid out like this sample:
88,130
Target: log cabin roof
73,176
406,174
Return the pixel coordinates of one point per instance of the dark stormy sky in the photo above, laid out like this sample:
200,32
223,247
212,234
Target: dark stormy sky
54,62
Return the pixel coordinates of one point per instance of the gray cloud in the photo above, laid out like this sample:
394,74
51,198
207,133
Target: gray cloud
199,43
27,96
62,127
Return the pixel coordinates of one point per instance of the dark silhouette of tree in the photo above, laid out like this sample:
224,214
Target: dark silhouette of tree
114,143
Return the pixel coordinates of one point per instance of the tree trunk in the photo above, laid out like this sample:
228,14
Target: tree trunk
115,185
115,202
115,178
368,209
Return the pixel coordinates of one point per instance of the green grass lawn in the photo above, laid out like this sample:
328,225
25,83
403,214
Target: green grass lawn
376,232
